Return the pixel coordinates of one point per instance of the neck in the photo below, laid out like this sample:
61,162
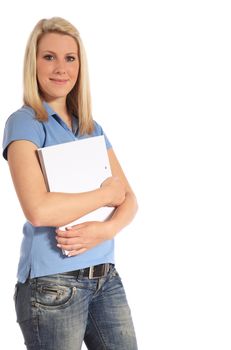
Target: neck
59,106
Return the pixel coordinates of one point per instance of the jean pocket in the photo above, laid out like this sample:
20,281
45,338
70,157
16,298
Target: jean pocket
22,299
53,295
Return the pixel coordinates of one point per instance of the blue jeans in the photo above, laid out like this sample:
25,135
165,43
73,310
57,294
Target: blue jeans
59,312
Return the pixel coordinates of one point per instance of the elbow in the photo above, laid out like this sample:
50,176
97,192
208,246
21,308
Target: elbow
36,217
41,216
134,201
35,220
136,205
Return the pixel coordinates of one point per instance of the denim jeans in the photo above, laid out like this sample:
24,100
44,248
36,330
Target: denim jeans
59,312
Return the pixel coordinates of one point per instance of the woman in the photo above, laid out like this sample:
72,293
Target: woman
63,301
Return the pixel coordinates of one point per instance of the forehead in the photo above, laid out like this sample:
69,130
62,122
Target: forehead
57,43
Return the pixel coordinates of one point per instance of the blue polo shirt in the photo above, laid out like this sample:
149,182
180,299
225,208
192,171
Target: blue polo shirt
39,253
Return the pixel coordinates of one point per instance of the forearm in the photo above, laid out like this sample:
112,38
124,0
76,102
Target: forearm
43,208
122,216
58,209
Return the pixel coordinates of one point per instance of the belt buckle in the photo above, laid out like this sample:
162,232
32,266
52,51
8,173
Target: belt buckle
104,272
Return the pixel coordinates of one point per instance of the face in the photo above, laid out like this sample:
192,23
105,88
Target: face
57,65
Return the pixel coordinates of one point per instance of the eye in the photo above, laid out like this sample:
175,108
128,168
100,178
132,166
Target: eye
70,58
49,57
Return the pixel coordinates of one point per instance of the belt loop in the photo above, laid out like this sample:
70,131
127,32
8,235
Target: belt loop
91,272
106,269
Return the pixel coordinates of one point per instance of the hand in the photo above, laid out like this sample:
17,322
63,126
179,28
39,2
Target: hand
116,190
80,238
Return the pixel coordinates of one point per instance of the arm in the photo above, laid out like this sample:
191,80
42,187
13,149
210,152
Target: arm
85,236
43,208
126,211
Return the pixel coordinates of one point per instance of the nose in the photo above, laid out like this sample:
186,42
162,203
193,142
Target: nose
60,67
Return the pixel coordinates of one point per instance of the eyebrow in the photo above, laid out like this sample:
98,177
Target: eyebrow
54,53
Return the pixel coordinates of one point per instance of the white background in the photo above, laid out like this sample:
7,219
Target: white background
160,80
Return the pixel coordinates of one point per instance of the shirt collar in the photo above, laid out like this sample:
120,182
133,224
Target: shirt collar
49,110
52,113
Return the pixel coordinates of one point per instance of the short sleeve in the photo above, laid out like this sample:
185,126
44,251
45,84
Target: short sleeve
99,131
22,125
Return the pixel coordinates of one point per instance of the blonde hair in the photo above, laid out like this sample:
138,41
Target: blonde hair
79,98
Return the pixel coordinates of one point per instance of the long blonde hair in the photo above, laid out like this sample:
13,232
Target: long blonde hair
79,98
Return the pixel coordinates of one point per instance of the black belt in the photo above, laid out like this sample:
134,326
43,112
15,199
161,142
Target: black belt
91,272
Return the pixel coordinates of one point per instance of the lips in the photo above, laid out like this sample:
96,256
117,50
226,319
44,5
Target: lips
59,81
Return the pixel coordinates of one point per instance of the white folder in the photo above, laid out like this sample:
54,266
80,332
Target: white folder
77,166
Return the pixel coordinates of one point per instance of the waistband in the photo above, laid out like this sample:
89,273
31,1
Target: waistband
91,272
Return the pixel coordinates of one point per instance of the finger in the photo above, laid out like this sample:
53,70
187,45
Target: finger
64,230
79,226
77,252
66,234
68,240
76,227
70,247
